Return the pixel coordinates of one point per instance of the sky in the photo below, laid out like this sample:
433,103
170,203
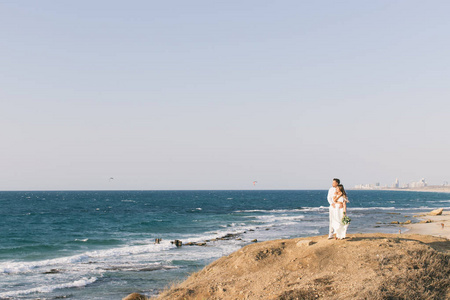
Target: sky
218,94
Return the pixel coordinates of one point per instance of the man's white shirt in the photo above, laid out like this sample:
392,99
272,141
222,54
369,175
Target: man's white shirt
331,192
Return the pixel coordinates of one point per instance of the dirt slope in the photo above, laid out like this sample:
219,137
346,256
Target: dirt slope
365,266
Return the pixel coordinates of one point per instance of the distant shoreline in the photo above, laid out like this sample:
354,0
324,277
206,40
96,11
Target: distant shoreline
430,188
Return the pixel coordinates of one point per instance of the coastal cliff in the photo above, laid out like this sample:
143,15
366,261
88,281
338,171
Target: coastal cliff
364,266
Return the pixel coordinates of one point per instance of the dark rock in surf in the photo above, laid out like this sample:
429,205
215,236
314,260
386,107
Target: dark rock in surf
177,243
53,271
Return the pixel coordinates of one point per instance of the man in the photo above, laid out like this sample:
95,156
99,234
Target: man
331,192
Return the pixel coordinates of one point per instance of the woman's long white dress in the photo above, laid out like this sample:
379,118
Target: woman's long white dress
336,221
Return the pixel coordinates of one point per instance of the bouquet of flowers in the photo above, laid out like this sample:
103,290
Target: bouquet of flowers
346,220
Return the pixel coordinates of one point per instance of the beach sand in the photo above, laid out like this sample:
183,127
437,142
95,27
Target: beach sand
434,228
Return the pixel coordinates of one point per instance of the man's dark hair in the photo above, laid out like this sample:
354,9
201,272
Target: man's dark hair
337,180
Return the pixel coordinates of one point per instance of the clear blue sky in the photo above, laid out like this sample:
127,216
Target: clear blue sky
217,94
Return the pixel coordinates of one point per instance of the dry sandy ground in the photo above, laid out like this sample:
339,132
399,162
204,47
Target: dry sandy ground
364,266
434,228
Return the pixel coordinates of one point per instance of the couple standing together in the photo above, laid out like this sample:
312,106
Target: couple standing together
337,197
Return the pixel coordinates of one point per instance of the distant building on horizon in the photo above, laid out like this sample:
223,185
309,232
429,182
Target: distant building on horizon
421,183
396,184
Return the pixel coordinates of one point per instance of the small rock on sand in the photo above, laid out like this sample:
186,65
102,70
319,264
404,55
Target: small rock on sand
425,221
304,243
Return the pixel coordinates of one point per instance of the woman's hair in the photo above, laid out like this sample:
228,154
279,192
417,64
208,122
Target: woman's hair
344,194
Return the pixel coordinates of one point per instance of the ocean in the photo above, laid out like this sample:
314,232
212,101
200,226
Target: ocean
101,244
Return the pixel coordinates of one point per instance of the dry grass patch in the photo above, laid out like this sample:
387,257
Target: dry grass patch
425,275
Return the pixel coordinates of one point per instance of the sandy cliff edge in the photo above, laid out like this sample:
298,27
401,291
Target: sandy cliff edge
364,266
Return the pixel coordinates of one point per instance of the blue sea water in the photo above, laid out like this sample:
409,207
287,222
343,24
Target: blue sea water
100,244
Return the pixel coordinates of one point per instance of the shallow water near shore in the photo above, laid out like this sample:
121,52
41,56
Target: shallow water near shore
100,244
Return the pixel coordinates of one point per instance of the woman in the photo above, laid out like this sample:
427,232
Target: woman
340,199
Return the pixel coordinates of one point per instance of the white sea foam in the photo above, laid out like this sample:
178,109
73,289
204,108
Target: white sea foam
277,218
210,236
49,288
256,223
24,267
81,240
302,209
233,228
271,210
128,266
370,208
123,251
